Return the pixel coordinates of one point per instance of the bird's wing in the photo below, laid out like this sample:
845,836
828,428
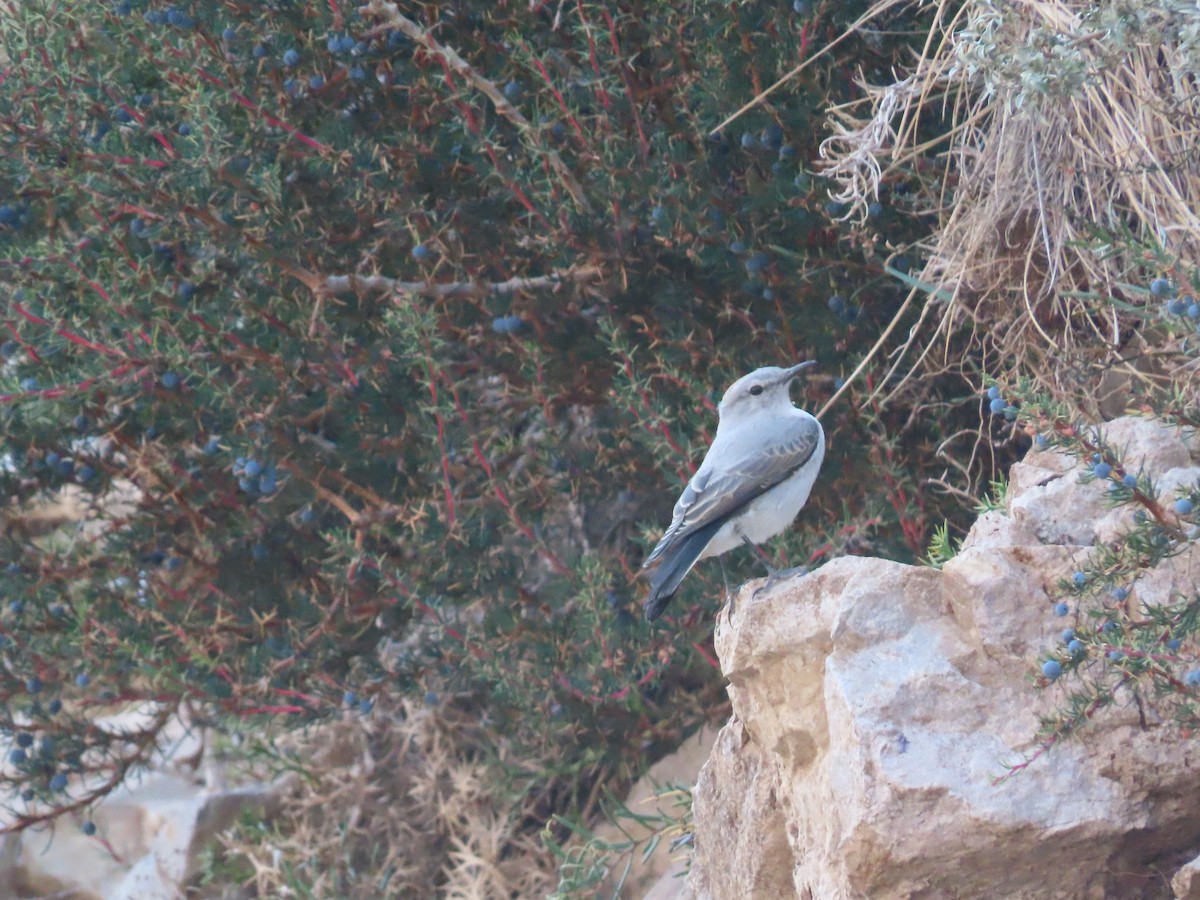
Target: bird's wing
742,473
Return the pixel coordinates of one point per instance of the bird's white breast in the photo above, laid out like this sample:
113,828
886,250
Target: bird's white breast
772,512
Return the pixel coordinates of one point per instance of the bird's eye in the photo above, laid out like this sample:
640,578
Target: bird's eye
756,390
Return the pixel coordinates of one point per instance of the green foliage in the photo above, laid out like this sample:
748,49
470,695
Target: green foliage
997,500
259,323
942,547
589,861
1122,647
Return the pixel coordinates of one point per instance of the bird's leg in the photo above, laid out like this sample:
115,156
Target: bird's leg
772,572
728,592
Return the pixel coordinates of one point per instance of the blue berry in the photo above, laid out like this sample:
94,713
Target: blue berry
1183,506
993,393
875,210
1067,634
349,698
171,381
259,552
16,756
1061,609
836,304
247,485
1110,627
88,828
1160,287
33,685
86,473
1130,481
58,782
422,253
16,607
1119,593
267,483
316,82
358,73
365,705
1176,307
307,515
1192,678
24,739
29,384
187,290
54,707
1075,647
998,406
1079,579
758,262
1116,655
253,468
431,699
260,51
9,214
749,141
229,34
212,447
1193,311
1174,644
507,324
291,58
512,92
1052,668
83,680
123,116
1102,470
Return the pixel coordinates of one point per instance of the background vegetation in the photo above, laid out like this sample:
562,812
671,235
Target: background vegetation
353,359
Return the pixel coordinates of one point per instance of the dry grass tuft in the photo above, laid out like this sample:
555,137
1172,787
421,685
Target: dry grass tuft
395,806
1071,138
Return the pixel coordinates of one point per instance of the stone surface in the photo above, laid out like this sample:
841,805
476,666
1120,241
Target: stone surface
148,832
876,706
1186,883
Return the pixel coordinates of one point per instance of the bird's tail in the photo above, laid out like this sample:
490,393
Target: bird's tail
676,563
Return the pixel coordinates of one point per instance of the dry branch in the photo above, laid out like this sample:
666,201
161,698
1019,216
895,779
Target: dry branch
391,13
460,289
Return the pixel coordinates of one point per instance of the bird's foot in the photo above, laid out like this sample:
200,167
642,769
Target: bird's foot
774,576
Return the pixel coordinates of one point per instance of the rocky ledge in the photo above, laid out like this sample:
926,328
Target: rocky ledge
877,705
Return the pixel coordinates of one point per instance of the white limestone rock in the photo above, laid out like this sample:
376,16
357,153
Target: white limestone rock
876,705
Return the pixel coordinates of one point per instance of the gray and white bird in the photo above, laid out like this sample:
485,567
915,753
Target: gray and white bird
753,481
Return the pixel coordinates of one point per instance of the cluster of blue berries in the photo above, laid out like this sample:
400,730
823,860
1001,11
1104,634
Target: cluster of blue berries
1186,305
847,312
998,406
172,15
255,477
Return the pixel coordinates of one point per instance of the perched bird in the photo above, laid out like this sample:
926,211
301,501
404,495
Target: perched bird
753,481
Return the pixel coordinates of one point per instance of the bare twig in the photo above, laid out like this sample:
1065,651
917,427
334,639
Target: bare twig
395,19
459,289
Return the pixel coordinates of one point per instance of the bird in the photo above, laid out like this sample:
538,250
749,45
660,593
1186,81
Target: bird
753,482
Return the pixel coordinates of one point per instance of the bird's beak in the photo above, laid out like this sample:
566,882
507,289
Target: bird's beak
789,374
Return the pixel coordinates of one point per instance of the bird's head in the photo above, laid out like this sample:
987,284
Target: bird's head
763,389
